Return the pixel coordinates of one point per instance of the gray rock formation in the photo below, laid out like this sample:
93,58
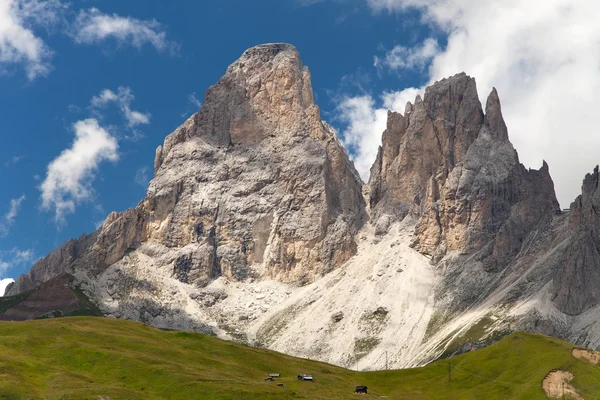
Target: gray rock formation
427,141
452,166
576,283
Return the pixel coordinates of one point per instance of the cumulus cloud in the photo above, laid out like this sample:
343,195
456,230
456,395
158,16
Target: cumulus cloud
93,27
19,44
364,124
4,283
543,56
69,177
123,98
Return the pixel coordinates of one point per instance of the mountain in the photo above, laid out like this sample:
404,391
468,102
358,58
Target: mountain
102,358
257,228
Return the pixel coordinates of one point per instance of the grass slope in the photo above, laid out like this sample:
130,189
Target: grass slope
93,358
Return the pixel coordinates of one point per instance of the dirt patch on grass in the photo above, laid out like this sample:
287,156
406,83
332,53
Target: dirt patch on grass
558,383
591,356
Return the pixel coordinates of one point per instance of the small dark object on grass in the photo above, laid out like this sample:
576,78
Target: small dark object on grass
305,377
280,384
360,389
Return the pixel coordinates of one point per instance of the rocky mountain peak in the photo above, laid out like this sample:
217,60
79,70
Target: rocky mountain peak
428,141
432,136
266,90
267,54
253,185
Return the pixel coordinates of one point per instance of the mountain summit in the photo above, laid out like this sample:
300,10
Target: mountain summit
257,228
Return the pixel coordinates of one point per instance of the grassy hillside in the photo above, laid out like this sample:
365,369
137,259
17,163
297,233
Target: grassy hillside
98,358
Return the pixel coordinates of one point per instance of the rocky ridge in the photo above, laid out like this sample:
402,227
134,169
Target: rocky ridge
255,228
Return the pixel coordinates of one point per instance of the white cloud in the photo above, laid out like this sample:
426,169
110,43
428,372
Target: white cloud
69,177
409,57
4,283
364,127
11,214
142,176
92,27
13,161
106,96
14,258
21,256
18,41
194,100
123,98
543,56
15,207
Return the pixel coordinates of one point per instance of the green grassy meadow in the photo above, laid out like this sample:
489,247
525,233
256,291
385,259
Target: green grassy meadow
101,358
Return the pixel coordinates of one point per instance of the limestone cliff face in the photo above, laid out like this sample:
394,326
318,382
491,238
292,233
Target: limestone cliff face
427,141
453,167
576,283
257,178
253,185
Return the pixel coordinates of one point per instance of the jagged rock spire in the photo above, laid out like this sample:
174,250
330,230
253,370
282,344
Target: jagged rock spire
452,166
493,116
428,141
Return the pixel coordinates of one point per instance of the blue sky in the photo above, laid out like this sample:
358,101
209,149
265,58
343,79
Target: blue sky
121,75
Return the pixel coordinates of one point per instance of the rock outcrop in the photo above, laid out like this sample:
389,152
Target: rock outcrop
431,137
453,167
257,178
576,283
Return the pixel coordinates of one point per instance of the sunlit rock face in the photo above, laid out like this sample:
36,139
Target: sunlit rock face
253,185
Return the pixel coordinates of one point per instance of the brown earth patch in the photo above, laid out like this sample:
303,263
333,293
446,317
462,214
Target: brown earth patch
591,356
558,383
